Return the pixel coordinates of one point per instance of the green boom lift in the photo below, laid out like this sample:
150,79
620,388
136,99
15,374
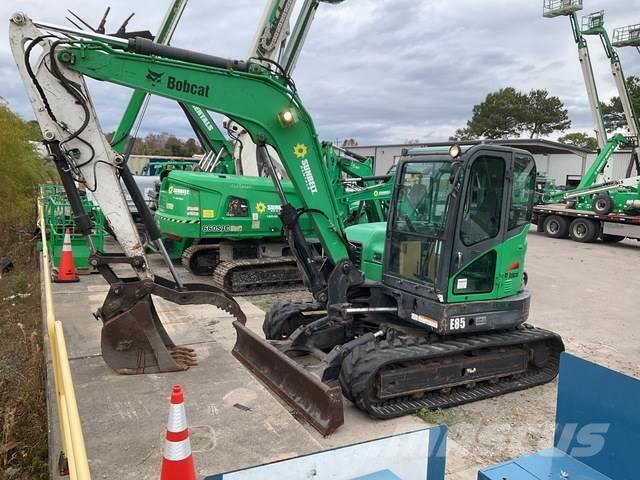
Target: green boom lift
439,322
597,190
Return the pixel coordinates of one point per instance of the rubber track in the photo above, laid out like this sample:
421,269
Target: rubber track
189,252
224,269
360,368
280,312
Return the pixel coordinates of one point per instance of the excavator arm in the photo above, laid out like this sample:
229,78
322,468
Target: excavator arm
267,105
133,338
263,102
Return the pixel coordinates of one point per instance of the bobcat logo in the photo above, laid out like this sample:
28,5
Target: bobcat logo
154,77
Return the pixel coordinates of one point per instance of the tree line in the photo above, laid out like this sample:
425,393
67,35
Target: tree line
509,113
163,144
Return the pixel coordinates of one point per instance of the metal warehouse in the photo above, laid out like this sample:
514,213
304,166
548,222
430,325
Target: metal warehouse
558,161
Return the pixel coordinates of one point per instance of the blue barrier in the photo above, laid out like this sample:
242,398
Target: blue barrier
597,429
418,455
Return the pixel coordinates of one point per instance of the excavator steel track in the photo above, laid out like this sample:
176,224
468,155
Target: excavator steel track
364,368
257,276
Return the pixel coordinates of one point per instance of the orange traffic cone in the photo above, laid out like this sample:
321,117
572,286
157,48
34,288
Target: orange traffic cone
67,269
177,461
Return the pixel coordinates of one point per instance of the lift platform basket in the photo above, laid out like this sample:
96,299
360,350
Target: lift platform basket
628,36
556,8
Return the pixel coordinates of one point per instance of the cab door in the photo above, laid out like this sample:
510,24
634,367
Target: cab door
476,256
521,195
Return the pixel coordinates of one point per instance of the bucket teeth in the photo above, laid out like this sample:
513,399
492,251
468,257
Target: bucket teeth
184,356
184,352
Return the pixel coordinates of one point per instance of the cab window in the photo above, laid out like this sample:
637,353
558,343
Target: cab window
522,191
483,201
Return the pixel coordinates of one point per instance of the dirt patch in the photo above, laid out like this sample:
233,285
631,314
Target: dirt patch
23,413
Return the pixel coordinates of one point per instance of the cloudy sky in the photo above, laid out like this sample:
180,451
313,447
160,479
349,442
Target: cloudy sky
380,71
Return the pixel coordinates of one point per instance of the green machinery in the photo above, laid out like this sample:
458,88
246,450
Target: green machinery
601,197
439,322
59,217
198,214
597,191
157,167
229,225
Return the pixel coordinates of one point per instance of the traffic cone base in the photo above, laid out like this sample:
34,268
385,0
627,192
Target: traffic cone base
67,268
177,461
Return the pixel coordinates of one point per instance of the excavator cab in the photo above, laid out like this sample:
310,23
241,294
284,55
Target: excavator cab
457,235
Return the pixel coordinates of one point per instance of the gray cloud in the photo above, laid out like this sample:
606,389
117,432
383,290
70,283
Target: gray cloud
376,70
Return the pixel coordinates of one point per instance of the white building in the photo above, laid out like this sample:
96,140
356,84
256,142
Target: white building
557,161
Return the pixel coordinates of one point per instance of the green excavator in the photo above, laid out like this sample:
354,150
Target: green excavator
229,227
426,310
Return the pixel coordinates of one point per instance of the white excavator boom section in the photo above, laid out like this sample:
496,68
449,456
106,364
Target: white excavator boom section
93,161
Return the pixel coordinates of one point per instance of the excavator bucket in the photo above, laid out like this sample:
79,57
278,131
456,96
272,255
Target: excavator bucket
319,403
134,341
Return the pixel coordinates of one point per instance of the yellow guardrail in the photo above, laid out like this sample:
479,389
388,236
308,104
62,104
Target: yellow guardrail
70,427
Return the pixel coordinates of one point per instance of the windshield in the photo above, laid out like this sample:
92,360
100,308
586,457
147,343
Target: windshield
423,198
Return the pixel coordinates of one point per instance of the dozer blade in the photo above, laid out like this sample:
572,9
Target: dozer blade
319,403
134,341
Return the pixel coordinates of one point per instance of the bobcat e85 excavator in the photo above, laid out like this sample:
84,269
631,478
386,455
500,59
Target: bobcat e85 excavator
426,310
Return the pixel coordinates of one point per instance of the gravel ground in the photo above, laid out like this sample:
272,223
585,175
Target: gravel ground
578,290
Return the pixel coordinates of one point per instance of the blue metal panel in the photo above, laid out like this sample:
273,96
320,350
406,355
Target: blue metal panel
505,471
597,417
437,452
544,465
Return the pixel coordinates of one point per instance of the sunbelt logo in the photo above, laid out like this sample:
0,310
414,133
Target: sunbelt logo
178,191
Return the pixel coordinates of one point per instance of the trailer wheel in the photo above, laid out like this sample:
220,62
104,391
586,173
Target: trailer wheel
556,226
602,204
583,230
608,238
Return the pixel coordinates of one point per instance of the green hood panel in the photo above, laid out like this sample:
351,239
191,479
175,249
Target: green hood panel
214,182
372,238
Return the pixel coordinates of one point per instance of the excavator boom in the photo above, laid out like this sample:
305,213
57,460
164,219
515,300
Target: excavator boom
133,338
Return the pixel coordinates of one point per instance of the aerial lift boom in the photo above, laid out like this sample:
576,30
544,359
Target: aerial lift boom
593,24
555,8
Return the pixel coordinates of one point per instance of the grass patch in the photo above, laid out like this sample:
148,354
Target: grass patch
23,413
434,417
